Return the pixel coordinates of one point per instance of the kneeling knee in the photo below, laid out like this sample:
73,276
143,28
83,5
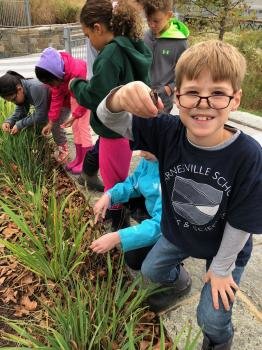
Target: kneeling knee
148,272
215,323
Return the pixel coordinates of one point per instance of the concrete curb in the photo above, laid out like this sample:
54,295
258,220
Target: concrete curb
247,119
243,118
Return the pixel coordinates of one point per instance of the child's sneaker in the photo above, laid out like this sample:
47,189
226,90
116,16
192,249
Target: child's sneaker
62,154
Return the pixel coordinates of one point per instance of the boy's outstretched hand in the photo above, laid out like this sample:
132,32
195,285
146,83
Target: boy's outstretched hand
223,286
101,206
105,243
134,98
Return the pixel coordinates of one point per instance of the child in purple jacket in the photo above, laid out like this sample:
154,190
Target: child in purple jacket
56,69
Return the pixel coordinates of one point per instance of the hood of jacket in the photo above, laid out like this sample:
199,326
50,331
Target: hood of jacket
73,67
52,61
137,52
176,30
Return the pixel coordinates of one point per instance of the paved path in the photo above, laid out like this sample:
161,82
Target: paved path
25,65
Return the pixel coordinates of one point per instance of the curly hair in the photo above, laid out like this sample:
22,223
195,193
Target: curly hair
151,6
120,17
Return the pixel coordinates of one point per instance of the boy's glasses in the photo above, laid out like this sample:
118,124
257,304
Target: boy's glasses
213,101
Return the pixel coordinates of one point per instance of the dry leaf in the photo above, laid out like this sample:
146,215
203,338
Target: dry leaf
14,167
74,345
101,273
9,295
21,311
8,232
143,345
28,279
114,346
28,304
2,279
44,300
30,290
4,217
148,316
3,270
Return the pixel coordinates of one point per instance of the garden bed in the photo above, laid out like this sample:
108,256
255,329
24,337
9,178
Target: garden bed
54,292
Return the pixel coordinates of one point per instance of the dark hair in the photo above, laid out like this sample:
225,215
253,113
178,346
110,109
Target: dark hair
120,17
9,82
45,76
151,6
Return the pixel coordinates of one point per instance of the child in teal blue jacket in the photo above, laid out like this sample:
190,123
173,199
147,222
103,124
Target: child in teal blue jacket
143,182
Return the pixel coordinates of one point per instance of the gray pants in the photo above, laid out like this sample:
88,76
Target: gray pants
59,134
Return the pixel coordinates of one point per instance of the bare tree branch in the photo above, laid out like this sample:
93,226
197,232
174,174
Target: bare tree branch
205,8
235,5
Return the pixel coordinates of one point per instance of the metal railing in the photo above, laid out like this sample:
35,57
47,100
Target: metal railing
251,24
75,41
15,13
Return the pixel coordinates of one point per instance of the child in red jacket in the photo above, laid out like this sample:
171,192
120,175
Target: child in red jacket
56,69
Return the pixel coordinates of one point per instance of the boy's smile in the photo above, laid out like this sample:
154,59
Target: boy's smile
205,125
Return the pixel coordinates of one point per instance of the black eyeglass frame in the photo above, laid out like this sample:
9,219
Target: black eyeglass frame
200,98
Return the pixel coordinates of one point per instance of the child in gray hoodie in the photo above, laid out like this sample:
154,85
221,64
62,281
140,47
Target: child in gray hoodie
167,38
25,93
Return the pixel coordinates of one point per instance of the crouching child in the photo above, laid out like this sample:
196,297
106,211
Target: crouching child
211,180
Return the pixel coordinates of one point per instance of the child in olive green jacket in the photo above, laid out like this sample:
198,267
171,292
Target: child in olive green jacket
115,31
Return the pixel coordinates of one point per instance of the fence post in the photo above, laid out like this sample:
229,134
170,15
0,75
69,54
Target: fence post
67,38
27,12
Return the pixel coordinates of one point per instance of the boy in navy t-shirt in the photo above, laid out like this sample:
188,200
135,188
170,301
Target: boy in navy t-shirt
211,179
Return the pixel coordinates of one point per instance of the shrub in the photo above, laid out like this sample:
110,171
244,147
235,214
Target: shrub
55,11
249,43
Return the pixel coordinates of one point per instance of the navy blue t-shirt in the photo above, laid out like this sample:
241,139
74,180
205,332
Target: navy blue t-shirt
203,189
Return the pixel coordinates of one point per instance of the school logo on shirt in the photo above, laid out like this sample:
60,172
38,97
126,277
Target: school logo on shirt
196,202
165,52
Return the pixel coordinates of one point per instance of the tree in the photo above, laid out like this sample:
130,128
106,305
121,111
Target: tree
222,15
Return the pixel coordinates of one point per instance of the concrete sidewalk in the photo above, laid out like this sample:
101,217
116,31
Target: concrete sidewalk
247,312
247,119
25,65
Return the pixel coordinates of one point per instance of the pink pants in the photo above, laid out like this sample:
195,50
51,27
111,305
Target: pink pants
81,129
114,160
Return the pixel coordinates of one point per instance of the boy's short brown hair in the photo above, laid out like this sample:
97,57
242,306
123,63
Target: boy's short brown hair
151,6
223,60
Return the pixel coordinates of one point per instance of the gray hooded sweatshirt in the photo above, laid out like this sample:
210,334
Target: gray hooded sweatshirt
166,49
36,96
